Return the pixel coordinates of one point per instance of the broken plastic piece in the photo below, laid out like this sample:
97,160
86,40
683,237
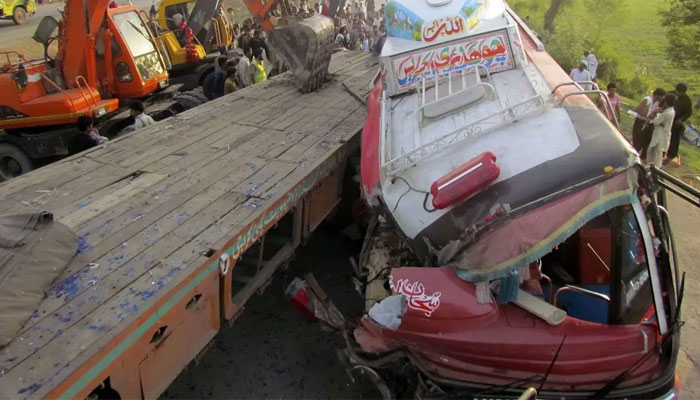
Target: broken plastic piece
388,312
298,294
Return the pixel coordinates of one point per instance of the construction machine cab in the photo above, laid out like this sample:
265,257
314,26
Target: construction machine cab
210,23
169,8
127,53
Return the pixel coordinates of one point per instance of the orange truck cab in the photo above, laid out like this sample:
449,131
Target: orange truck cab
104,55
137,65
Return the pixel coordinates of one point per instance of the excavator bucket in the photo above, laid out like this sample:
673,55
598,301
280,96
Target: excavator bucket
306,45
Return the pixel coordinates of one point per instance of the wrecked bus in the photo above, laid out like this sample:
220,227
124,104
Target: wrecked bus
517,240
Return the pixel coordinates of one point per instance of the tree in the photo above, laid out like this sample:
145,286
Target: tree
600,15
682,21
548,9
554,7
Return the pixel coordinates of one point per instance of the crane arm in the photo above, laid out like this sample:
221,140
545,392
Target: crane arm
81,23
261,10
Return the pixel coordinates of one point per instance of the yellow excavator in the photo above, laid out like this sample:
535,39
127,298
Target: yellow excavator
211,29
305,44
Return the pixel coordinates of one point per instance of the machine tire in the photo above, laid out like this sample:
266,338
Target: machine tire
19,15
13,162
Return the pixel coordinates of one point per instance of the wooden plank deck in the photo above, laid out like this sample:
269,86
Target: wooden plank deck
147,207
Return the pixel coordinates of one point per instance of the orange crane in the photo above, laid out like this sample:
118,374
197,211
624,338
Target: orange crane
104,54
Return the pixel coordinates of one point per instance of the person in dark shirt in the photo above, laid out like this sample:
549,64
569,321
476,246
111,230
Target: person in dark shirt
380,41
684,109
245,38
83,140
258,42
219,81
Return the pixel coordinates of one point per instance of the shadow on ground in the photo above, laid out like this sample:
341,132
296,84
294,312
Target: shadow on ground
271,350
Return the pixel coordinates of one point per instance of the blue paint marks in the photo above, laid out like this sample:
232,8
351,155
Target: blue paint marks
181,217
116,261
105,223
29,389
251,191
96,327
146,294
34,316
83,245
63,318
70,287
58,333
82,204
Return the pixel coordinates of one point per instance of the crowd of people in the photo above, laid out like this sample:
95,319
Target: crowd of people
360,27
660,123
357,27
659,118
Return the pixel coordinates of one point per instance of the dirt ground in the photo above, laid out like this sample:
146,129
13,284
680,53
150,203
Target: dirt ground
686,227
272,351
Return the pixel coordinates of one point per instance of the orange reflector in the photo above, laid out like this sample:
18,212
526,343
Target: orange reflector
465,181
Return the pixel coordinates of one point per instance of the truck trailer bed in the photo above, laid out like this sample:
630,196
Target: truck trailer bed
165,218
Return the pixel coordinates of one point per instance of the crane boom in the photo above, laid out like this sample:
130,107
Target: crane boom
81,22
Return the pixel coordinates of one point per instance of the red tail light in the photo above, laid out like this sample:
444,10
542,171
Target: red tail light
465,181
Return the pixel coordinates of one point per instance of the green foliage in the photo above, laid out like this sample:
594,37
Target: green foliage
630,43
390,11
682,22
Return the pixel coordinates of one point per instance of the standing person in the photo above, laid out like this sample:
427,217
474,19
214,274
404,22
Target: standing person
219,77
374,36
614,102
684,109
246,37
341,37
661,137
581,74
640,138
152,12
380,41
364,42
258,42
258,66
591,62
230,85
243,72
235,35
